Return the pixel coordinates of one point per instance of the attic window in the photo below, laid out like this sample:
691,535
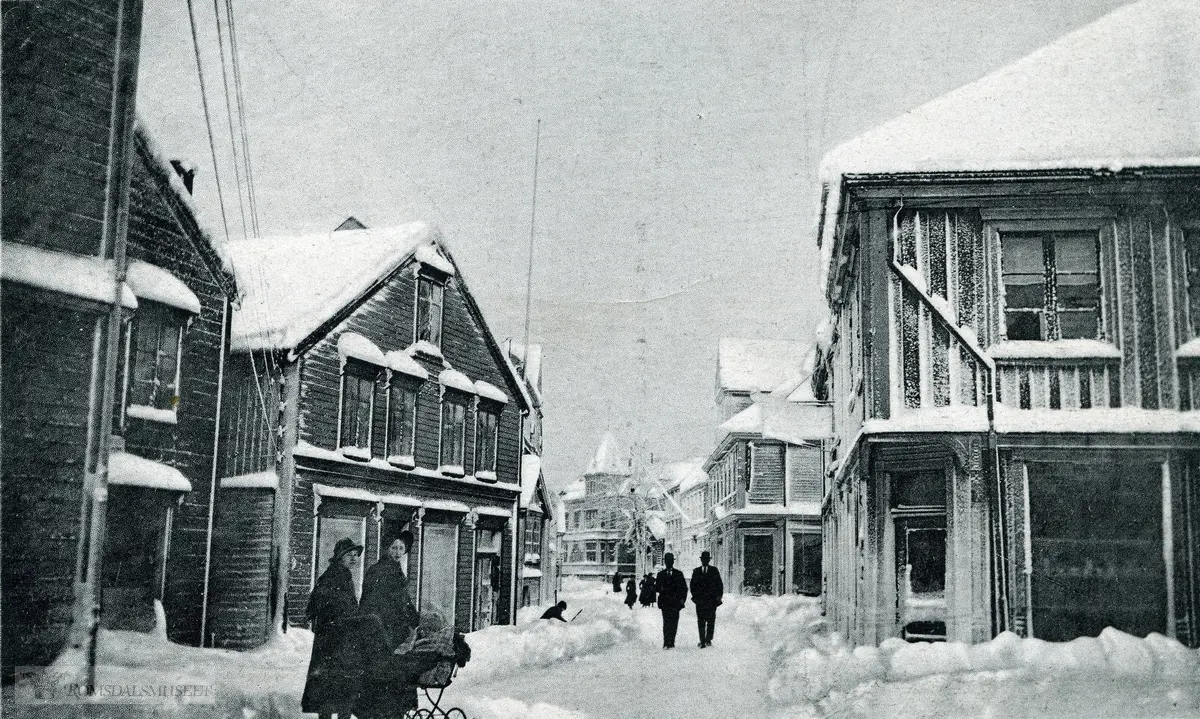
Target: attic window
430,302
152,375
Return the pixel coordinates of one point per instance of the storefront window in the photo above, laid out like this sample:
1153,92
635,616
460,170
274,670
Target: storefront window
439,568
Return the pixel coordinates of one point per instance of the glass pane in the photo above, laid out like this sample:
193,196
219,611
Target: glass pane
1022,254
423,309
927,559
1075,253
435,314
168,362
1079,324
438,572
329,531
1023,325
1024,292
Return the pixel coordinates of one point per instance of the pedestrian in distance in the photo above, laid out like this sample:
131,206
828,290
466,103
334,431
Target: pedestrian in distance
555,612
386,693
335,669
672,596
647,595
707,590
630,593
617,584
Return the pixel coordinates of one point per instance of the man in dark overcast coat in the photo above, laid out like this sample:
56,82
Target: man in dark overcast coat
672,595
707,590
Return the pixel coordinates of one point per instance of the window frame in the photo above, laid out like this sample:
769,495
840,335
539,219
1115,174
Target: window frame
450,396
361,372
164,317
1189,234
487,408
427,280
398,381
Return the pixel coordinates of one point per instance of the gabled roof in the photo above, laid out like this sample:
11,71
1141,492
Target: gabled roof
683,474
292,285
1118,93
531,368
750,365
533,485
777,418
607,459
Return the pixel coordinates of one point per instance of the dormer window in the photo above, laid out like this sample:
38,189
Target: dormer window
430,301
154,346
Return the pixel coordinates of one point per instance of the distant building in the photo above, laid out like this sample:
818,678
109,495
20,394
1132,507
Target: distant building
1013,272
763,494
593,516
683,512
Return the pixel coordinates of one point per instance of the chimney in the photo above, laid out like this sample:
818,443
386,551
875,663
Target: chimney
186,173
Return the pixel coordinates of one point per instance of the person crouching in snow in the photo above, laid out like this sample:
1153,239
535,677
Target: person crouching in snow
386,694
630,593
555,612
707,590
334,672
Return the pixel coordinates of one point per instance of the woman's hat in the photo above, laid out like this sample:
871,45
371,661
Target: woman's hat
344,546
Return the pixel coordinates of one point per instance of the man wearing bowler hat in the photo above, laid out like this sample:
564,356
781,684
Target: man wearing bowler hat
707,590
672,595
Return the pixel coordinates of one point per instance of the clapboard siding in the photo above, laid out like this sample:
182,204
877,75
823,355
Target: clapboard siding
240,594
767,480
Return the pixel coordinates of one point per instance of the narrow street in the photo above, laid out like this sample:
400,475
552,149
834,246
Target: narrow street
726,680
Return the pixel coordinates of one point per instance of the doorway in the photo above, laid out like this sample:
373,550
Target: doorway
758,561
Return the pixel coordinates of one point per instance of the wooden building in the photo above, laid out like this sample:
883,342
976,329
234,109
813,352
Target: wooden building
593,531
115,314
365,396
762,497
683,512
1013,272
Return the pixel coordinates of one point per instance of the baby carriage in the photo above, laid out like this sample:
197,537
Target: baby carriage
437,657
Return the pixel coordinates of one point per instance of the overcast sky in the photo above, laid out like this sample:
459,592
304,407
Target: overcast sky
679,149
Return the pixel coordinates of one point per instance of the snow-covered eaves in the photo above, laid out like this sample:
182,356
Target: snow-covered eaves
490,391
494,511
354,345
366,495
1058,349
153,283
752,365
797,509
683,475
454,379
130,470
428,255
531,473
257,480
86,277
292,285
530,361
404,363
1116,94
1103,420
309,451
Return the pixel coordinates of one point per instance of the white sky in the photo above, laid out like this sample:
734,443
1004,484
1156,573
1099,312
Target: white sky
678,159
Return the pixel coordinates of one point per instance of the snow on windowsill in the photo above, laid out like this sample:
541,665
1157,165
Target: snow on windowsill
1189,349
425,347
454,379
485,476
1057,349
360,453
152,414
130,470
310,451
490,391
154,283
402,460
451,470
352,344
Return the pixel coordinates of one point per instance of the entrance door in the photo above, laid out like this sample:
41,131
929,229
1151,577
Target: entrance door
921,577
485,594
1096,534
135,556
758,561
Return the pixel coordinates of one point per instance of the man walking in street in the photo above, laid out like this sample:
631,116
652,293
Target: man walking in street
672,595
707,590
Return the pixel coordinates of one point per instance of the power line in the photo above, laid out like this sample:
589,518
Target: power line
229,114
239,95
212,144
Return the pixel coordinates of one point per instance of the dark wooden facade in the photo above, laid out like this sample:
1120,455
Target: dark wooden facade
282,450
914,466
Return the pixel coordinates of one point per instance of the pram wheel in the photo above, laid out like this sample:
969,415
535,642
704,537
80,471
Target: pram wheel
456,713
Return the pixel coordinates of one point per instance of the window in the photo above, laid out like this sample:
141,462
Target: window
533,538
578,523
486,421
589,519
1191,243
590,552
156,344
1051,285
430,300
358,391
806,564
439,571
402,419
454,428
330,529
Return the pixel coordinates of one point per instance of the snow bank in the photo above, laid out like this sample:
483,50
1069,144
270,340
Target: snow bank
509,708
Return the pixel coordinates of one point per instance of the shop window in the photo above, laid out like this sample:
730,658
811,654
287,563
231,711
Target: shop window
919,489
358,399
439,569
330,529
155,346
430,302
402,419
806,564
1051,285
454,428
486,437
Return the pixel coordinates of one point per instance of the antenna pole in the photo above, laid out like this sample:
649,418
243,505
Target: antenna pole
537,147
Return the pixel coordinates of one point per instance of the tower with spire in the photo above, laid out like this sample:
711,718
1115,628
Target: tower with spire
593,544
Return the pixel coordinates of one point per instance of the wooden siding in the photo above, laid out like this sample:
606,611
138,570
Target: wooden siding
805,472
767,480
47,354
56,105
239,604
250,417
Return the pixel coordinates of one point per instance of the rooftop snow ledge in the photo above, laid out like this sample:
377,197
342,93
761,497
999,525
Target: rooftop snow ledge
1056,349
258,480
405,364
454,379
130,470
490,391
426,348
89,278
1190,349
352,344
428,255
154,283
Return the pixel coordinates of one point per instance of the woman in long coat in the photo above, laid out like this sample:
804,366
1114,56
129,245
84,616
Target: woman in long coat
630,593
334,672
386,692
648,592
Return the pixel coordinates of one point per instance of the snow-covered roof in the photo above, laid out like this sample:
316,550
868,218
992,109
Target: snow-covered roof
657,526
683,474
607,459
87,277
778,418
531,367
131,470
531,472
258,480
291,285
574,490
158,285
352,344
404,363
750,365
490,391
454,379
1117,93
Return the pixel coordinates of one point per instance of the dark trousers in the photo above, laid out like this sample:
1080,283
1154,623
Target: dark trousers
706,621
670,626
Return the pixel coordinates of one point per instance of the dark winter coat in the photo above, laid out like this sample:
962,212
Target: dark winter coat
648,594
616,581
672,589
630,593
554,612
386,692
335,670
707,588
